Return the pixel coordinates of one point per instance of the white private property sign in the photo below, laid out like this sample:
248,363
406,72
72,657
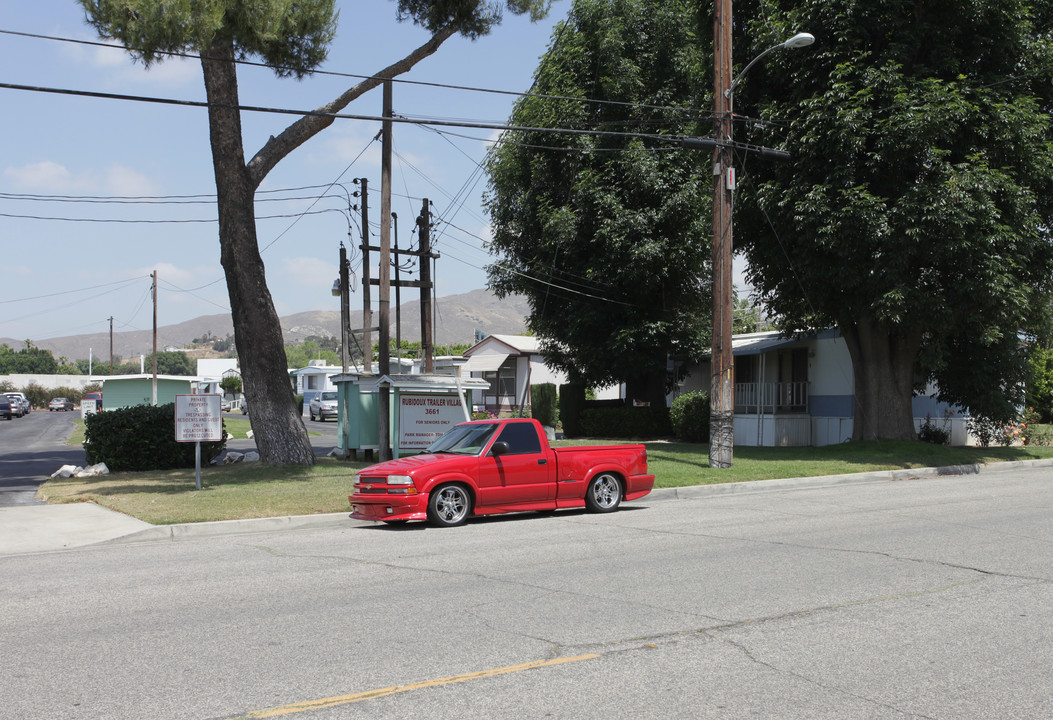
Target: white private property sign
424,418
198,418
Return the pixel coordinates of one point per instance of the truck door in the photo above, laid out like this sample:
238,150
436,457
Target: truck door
525,474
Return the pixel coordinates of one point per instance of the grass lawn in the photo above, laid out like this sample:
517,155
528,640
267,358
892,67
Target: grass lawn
253,490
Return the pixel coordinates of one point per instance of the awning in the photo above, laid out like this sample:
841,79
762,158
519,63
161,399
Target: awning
488,362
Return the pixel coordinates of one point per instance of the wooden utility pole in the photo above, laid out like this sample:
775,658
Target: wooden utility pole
384,301
424,230
345,313
367,309
722,381
398,291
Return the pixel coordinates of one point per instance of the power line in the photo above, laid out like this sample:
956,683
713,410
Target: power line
331,73
504,127
161,222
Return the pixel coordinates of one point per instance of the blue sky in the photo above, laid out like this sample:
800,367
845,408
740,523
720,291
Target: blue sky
66,273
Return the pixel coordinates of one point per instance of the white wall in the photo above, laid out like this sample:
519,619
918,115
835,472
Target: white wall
830,370
50,382
215,367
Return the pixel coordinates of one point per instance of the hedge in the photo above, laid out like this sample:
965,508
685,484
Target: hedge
625,422
689,416
141,438
543,404
571,403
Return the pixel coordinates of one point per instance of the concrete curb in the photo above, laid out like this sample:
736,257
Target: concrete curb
232,527
692,492
818,481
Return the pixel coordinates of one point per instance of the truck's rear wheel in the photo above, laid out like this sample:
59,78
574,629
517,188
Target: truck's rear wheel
604,493
449,505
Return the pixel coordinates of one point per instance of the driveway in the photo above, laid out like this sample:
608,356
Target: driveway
31,448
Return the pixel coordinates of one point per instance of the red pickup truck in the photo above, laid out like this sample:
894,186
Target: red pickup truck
486,467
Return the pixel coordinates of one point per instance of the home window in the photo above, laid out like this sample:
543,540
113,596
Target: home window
506,378
502,382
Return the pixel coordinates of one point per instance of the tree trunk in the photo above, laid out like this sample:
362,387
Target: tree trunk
278,428
883,360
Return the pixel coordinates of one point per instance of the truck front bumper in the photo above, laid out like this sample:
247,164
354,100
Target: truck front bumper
385,507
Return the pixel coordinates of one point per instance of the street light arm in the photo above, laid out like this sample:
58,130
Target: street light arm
798,40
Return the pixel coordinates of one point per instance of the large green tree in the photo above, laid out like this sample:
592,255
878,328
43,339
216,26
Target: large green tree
607,235
30,360
915,212
292,38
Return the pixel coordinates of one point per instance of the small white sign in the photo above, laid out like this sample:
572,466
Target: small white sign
424,418
87,407
198,418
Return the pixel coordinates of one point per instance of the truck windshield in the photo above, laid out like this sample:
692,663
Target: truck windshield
464,439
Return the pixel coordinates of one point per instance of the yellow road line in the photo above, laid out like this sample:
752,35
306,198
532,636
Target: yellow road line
383,692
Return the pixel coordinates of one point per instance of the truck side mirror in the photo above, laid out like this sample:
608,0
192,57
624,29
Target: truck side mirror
500,448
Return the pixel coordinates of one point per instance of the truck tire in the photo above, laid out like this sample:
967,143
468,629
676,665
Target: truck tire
449,505
604,494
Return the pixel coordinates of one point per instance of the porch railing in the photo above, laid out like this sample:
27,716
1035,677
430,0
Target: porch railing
786,397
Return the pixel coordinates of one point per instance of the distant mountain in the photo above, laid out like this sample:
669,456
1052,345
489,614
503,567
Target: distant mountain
457,317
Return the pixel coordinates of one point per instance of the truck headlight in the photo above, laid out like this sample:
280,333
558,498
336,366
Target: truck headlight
401,485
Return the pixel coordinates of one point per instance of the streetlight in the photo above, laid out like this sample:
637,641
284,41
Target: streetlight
722,388
797,41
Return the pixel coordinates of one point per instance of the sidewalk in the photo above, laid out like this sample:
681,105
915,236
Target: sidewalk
50,528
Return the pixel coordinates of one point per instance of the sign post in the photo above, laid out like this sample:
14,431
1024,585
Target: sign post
198,418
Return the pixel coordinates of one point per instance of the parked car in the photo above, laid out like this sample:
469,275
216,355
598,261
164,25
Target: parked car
17,408
59,405
485,467
5,408
323,406
23,401
97,397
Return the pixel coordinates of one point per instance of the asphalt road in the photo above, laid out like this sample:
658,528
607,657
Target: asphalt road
927,598
31,448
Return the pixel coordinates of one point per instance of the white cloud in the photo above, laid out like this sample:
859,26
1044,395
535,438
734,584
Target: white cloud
51,177
45,175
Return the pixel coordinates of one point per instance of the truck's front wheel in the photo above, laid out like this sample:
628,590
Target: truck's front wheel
449,505
604,493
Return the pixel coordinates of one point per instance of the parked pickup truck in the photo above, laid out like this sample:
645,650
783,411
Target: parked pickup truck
486,467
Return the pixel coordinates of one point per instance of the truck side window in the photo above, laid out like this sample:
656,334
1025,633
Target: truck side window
521,437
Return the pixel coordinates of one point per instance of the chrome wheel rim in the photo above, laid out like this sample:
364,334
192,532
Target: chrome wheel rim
452,504
606,491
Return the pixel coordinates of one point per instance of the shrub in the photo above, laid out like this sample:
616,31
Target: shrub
36,394
625,422
231,385
932,433
141,438
984,429
543,404
1039,435
689,416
